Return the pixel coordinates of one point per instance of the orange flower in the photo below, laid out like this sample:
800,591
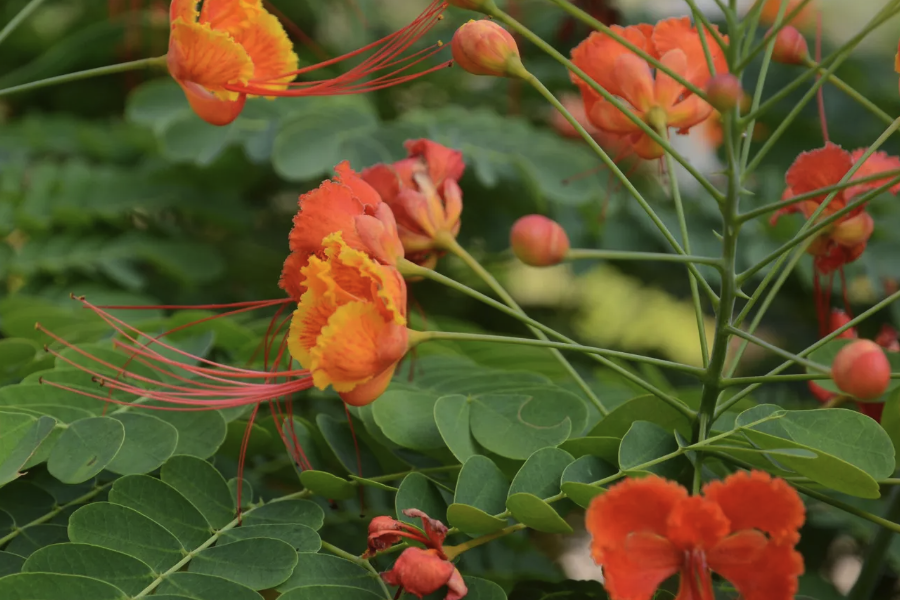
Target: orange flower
349,329
803,19
232,49
346,204
423,192
656,99
745,528
846,240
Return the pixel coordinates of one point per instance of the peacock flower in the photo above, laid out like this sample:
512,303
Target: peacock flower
424,195
654,97
233,49
743,528
349,329
346,204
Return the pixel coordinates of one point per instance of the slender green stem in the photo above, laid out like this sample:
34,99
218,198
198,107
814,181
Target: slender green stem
426,471
365,564
810,349
853,94
592,254
873,564
87,497
686,243
733,381
614,100
773,206
590,21
17,20
144,63
453,336
209,542
781,22
749,24
700,17
454,551
626,183
779,351
449,243
410,269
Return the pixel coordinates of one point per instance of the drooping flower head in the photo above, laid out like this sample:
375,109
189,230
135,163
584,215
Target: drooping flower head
232,49
349,328
656,98
743,528
346,204
416,571
424,195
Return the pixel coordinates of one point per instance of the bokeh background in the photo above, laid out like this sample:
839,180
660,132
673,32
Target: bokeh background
113,189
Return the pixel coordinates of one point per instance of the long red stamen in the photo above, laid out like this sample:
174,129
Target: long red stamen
820,95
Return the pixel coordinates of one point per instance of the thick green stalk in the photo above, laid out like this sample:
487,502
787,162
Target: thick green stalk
873,564
17,20
144,63
449,243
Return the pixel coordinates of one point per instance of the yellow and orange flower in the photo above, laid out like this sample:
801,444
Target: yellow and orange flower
424,195
744,528
227,43
659,100
349,329
346,204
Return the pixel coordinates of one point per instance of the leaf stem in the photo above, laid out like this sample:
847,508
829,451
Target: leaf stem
779,351
733,381
852,93
365,564
592,254
17,20
454,551
144,63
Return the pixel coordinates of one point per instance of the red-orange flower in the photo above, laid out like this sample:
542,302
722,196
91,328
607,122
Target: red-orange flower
423,192
349,329
744,528
346,204
803,19
657,99
232,49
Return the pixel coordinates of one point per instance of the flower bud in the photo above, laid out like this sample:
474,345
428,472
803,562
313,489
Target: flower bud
724,92
861,369
854,231
539,241
485,48
790,47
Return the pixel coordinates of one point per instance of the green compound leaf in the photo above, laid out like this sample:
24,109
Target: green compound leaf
125,530
51,586
300,512
300,537
482,589
323,483
257,563
200,433
25,502
203,486
39,536
584,471
451,414
606,448
339,438
149,442
204,587
417,491
329,592
645,442
537,514
85,449
162,503
10,563
20,437
45,398
323,569
853,450
541,473
515,426
890,419
481,492
643,408
125,572
407,418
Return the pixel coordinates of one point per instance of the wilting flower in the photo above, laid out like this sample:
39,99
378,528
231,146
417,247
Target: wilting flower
657,99
346,204
349,328
424,195
418,572
743,528
232,49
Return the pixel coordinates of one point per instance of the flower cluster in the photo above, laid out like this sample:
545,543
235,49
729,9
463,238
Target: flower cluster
743,528
417,571
656,98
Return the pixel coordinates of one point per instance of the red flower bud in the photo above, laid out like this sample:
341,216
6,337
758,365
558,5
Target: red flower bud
862,370
790,47
422,572
539,241
484,48
724,92
888,339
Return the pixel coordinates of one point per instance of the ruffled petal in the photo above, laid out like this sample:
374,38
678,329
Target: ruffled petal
291,279
878,162
771,576
697,523
384,180
208,58
679,33
362,191
185,10
689,112
817,169
443,163
271,50
329,208
636,570
635,81
756,500
597,55
315,308
230,15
